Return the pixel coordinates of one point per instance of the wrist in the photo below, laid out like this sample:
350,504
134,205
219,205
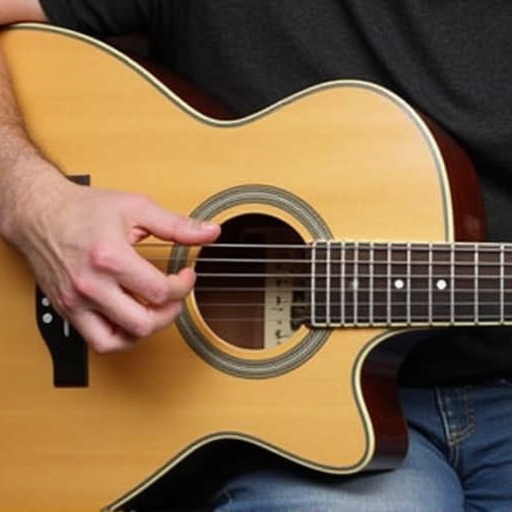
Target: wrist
22,187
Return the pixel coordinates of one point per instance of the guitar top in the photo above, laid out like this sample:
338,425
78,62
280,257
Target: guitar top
280,343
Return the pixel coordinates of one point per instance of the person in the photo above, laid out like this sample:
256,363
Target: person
449,59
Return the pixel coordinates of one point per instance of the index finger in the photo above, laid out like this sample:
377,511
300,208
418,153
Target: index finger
172,226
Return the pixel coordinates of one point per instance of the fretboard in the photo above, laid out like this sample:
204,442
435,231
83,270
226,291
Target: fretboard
402,284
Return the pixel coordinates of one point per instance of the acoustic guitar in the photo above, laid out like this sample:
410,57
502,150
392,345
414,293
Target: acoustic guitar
348,219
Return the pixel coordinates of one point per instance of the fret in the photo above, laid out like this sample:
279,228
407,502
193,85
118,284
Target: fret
452,285
328,283
476,276
440,273
502,283
408,284
364,284
430,285
389,317
321,285
465,287
335,299
419,284
379,283
355,283
318,284
349,283
399,283
491,281
313,285
343,276
371,283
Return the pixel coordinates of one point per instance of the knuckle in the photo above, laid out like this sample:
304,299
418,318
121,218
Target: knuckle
106,343
67,302
100,347
161,294
142,328
83,286
103,258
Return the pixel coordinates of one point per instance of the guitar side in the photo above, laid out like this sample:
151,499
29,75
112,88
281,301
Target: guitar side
356,155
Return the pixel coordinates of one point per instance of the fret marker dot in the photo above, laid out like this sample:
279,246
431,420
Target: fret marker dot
441,284
399,284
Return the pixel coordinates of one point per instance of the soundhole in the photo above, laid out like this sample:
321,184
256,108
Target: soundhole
252,283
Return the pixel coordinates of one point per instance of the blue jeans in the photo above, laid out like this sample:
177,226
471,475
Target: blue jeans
459,459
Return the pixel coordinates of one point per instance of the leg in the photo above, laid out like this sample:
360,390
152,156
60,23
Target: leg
425,482
479,432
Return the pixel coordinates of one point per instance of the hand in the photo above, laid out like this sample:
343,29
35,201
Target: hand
79,243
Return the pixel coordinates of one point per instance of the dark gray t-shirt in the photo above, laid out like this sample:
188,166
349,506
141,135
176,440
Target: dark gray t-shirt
449,58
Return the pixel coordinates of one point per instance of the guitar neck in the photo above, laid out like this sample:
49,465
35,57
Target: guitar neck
405,284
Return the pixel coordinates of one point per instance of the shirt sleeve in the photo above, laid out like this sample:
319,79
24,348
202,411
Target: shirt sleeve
100,17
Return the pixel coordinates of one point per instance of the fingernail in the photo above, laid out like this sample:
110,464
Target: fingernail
206,225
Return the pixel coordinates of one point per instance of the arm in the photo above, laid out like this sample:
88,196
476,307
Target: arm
12,11
79,240
14,145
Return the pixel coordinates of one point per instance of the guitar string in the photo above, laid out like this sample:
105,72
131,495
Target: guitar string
332,263
456,247
443,269
447,265
348,276
376,249
488,310
338,244
364,319
347,259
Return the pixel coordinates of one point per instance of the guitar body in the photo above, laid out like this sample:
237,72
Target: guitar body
346,160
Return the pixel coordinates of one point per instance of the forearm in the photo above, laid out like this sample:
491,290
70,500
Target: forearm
16,149
14,143
22,167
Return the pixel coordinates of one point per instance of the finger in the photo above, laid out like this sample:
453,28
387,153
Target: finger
100,334
137,319
172,226
140,277
181,283
104,335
